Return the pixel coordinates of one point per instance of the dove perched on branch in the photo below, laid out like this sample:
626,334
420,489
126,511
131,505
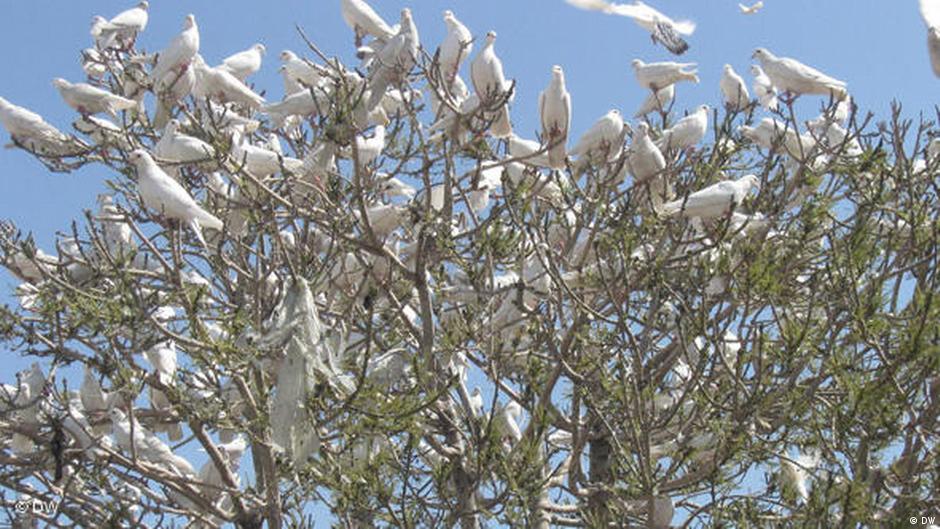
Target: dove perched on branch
797,78
752,9
160,192
764,89
87,99
176,57
147,445
244,63
174,146
686,132
663,29
259,161
396,59
490,85
555,113
456,47
298,73
604,137
220,85
713,201
658,75
30,130
647,163
163,358
123,27
657,100
733,89
930,11
363,20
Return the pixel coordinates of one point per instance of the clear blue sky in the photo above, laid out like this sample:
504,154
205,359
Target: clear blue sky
876,46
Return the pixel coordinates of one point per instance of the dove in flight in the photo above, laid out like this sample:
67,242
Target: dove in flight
686,132
555,113
178,54
657,100
456,47
713,201
486,73
751,9
790,75
658,75
87,99
29,129
160,192
124,27
176,147
663,29
764,89
930,11
363,20
733,89
244,63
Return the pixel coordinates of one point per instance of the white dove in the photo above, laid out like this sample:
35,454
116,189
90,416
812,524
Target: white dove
764,89
456,47
170,89
657,100
792,76
796,472
395,60
244,63
555,114
713,201
368,149
176,147
733,89
29,129
662,28
646,163
114,228
220,85
123,27
605,137
296,71
930,11
526,151
259,161
486,73
659,75
162,193
147,445
163,358
507,420
87,99
752,9
686,132
363,20
177,56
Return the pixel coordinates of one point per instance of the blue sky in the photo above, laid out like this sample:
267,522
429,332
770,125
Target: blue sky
876,46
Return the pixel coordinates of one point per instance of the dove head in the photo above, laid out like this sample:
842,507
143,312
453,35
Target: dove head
728,68
104,199
752,181
288,55
756,70
144,4
514,409
448,15
171,126
642,129
260,48
490,37
60,83
116,414
96,21
405,14
703,109
636,63
190,21
761,54
557,72
139,157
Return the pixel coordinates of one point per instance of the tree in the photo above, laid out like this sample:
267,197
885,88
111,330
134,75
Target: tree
409,318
